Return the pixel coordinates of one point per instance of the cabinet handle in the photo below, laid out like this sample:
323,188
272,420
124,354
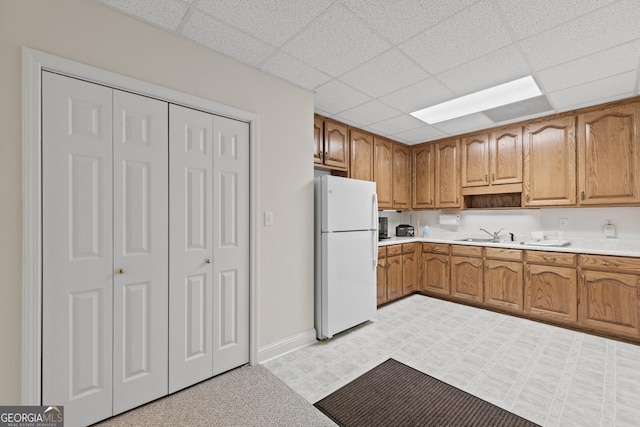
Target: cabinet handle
548,258
582,195
583,279
493,177
486,178
479,265
207,261
326,155
121,271
613,264
486,267
527,198
457,200
434,249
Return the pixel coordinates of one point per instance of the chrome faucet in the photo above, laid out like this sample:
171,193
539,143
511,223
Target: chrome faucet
495,234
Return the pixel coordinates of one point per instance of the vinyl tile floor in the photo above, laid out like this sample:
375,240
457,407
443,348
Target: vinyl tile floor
549,375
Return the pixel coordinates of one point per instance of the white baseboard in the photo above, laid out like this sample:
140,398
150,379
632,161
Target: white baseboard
284,346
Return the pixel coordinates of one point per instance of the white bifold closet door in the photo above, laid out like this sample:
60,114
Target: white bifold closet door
105,254
209,275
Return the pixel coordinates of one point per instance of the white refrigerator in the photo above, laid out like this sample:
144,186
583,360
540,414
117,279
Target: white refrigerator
346,253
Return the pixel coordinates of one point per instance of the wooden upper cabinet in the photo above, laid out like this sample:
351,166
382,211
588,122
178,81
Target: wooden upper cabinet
331,144
609,156
318,138
475,160
383,172
423,176
447,175
362,153
505,154
550,163
492,158
401,177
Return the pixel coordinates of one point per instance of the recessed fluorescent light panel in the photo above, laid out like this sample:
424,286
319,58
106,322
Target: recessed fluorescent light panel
506,93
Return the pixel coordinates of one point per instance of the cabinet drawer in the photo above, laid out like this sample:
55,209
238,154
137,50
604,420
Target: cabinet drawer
503,253
464,250
382,252
408,248
610,263
551,258
436,248
394,250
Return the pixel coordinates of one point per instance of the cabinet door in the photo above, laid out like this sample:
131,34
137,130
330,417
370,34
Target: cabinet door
423,182
466,278
506,156
551,292
609,302
401,177
336,145
381,279
383,172
504,285
318,139
447,175
409,273
609,156
140,249
362,150
550,163
394,277
475,160
435,273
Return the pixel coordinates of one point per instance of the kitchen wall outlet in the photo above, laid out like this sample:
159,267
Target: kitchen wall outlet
268,218
609,229
562,223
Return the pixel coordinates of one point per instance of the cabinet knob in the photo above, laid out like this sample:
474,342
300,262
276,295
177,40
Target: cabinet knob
207,261
121,271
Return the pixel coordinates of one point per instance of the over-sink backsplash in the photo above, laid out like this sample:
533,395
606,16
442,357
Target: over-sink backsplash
580,222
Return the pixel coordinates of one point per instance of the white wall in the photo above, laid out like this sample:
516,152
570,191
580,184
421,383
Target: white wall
86,32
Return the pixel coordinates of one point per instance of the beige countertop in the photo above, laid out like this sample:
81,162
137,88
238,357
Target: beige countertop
581,245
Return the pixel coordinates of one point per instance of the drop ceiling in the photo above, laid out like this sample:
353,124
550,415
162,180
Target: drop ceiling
372,62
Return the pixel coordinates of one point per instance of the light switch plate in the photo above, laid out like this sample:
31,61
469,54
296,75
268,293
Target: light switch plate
268,218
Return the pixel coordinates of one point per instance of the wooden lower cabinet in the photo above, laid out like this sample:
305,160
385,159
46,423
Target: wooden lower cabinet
434,268
394,277
409,268
609,300
381,276
467,272
551,288
504,279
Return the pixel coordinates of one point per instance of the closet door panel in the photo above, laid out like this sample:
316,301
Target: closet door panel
191,212
140,166
231,244
77,248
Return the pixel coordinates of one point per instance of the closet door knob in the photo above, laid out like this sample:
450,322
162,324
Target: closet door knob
121,271
207,261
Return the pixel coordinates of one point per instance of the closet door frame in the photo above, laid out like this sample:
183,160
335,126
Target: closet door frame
33,63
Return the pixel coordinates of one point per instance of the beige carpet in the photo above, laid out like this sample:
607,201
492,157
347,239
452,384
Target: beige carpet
247,396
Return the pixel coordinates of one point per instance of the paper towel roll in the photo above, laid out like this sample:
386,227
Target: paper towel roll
449,219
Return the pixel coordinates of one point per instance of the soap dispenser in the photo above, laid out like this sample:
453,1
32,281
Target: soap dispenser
609,229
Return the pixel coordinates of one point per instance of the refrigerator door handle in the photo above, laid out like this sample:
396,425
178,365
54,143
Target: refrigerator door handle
374,230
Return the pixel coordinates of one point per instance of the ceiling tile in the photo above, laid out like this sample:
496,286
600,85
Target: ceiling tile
418,135
385,73
290,69
336,96
399,20
336,42
605,63
370,112
164,13
607,27
467,35
216,35
271,21
420,95
501,66
614,87
396,125
530,17
464,124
